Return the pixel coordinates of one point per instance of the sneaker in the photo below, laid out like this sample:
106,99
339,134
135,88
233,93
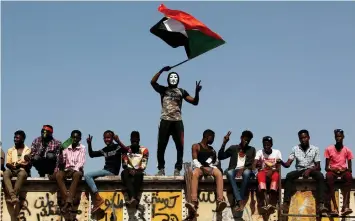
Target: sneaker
322,209
161,172
221,205
346,212
191,207
176,172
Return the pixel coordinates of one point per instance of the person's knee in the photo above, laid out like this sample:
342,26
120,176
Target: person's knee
230,174
329,176
77,175
196,173
217,173
348,177
246,174
22,175
318,176
59,175
275,176
51,156
7,174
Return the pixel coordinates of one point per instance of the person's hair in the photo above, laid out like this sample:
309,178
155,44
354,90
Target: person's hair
109,132
135,134
21,133
208,132
75,132
338,131
303,132
247,134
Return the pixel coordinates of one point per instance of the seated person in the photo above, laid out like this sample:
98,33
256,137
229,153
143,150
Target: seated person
45,152
267,158
307,165
2,162
338,164
70,166
134,163
17,166
112,153
204,164
241,161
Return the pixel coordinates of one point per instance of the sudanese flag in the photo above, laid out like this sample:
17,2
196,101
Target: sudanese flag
178,28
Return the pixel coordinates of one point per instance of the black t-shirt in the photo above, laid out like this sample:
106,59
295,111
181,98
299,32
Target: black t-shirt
112,154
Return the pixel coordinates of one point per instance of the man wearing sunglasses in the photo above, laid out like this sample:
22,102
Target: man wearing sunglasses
45,151
338,164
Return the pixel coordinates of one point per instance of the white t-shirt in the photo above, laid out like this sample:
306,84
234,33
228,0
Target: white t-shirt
268,159
241,160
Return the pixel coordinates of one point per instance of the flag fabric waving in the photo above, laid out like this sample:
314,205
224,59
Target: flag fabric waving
178,28
67,143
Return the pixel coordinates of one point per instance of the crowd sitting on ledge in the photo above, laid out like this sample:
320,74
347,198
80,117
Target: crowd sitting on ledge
66,160
50,157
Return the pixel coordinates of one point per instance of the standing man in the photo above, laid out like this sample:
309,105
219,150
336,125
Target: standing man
338,164
45,152
134,163
307,165
204,160
72,160
240,164
112,153
171,121
18,166
267,158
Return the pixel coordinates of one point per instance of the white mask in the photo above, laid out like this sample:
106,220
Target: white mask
173,79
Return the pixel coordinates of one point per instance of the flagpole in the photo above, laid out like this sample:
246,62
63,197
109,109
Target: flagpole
179,64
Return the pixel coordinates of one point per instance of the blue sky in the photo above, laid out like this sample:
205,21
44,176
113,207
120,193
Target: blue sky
87,65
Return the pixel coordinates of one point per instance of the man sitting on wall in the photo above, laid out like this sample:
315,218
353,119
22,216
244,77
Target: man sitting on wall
267,158
2,162
241,161
307,165
134,162
45,152
204,160
112,153
17,166
336,166
70,166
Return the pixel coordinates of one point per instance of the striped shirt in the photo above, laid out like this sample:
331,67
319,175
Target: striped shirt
74,158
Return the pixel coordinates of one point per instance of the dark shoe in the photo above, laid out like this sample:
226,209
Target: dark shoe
334,213
97,203
346,211
161,172
132,203
66,208
322,209
176,172
192,207
221,205
14,199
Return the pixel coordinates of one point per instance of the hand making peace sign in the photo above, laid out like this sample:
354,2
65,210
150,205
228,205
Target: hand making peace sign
198,86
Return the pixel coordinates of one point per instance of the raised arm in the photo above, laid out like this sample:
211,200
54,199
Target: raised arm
222,154
154,82
193,100
92,153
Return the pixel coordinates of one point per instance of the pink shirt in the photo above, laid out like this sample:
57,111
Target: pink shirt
337,160
74,157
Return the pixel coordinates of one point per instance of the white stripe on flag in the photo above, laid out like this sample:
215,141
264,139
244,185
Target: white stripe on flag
175,26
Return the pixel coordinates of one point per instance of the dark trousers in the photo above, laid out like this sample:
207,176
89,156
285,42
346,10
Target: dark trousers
290,184
45,165
61,176
346,178
176,130
133,183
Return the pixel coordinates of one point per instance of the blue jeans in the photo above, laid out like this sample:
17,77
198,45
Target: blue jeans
89,178
239,194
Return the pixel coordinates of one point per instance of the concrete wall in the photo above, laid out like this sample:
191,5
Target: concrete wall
162,199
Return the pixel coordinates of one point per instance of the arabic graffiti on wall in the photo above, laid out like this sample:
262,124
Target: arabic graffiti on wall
43,206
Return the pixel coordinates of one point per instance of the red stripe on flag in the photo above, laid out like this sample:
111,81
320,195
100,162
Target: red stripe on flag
188,20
